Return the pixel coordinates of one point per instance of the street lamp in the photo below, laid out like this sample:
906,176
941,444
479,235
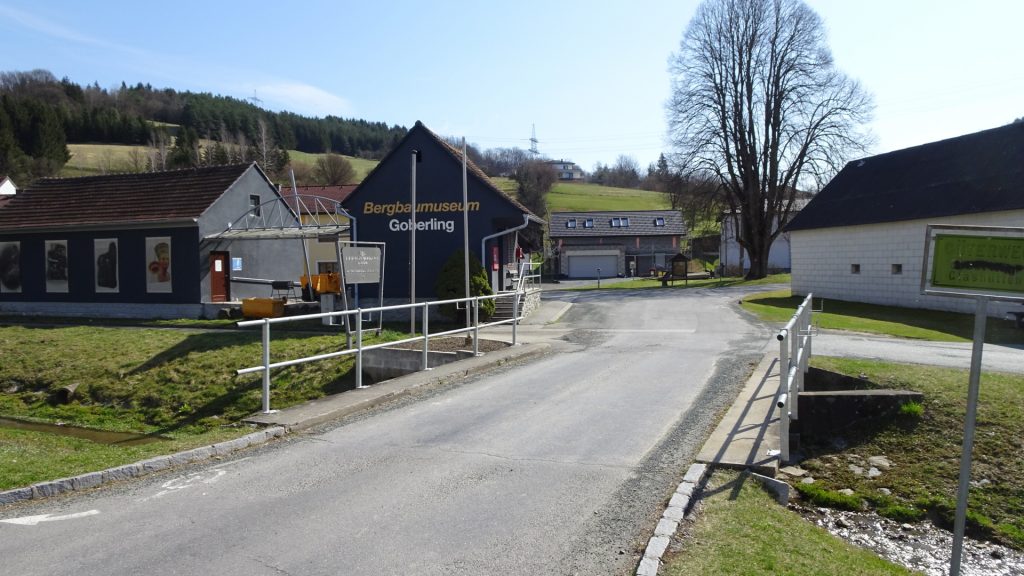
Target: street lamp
416,159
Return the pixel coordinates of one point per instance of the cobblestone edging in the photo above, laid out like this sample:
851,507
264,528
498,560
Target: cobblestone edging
92,479
670,519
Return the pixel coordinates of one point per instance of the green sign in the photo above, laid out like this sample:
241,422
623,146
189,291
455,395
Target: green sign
983,263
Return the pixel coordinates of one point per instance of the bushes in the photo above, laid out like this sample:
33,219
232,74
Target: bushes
451,284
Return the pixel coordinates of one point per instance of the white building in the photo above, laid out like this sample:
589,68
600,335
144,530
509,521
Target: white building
862,237
734,258
7,187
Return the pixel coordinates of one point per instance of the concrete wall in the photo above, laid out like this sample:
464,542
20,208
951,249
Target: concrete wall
823,260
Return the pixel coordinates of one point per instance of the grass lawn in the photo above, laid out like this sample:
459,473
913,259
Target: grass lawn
741,530
95,159
650,283
925,450
901,322
171,382
362,166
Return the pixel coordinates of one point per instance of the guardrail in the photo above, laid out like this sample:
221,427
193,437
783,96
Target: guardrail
265,323
794,356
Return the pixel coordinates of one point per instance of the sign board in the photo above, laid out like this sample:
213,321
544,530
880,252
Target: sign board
972,261
361,264
236,264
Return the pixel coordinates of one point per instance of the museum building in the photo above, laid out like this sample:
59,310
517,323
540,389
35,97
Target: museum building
502,231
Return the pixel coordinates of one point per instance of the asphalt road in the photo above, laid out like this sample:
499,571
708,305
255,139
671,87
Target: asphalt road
557,466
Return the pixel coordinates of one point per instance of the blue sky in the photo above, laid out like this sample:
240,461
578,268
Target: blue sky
591,76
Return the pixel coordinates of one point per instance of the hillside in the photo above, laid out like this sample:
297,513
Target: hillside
91,159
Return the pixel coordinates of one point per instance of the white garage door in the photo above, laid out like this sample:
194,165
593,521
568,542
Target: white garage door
586,266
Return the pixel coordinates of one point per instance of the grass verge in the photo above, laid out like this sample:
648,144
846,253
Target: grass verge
741,530
913,323
649,283
924,448
176,383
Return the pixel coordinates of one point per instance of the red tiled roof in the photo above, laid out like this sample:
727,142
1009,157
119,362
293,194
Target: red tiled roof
336,193
173,195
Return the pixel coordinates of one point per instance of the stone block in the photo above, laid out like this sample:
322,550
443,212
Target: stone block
656,547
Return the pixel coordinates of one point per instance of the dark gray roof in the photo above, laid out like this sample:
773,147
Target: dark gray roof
970,174
641,223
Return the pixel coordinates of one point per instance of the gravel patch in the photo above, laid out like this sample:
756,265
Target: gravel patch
919,546
453,343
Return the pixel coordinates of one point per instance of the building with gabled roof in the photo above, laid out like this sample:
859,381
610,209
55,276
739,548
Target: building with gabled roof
862,237
149,244
502,231
7,188
615,243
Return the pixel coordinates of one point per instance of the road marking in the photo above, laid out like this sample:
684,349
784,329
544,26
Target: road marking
33,520
197,478
642,331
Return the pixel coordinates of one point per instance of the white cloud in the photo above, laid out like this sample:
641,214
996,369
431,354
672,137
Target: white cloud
303,99
59,31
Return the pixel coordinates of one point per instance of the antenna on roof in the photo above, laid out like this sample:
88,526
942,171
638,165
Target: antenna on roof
533,141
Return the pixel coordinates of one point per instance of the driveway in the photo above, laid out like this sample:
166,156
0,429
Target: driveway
558,466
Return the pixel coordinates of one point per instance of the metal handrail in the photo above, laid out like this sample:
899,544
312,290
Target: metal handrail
266,366
794,359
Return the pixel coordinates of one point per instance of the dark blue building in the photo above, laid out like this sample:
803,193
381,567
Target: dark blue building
501,230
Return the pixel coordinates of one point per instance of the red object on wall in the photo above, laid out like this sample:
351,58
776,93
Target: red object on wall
519,253
494,258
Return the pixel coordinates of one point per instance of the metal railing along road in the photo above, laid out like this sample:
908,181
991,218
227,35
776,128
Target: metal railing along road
266,366
794,356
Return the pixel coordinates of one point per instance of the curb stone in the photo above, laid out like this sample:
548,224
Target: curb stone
670,519
93,479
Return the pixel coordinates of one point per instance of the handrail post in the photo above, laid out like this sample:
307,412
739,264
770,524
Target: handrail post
426,336
266,366
476,326
359,348
783,405
515,316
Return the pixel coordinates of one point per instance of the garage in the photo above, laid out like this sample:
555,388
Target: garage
587,266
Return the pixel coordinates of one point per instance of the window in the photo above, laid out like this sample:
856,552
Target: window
326,267
588,223
615,223
570,223
624,222
854,268
254,204
659,221
897,268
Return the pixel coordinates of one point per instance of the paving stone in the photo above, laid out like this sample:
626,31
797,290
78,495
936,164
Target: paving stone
696,473
674,513
656,547
666,527
84,481
648,567
679,501
16,495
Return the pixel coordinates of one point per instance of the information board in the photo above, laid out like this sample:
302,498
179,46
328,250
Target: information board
974,261
361,264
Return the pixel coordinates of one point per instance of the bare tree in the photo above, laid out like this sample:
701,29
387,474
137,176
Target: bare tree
758,105
333,169
535,179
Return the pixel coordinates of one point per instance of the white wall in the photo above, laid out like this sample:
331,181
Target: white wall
779,256
822,262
